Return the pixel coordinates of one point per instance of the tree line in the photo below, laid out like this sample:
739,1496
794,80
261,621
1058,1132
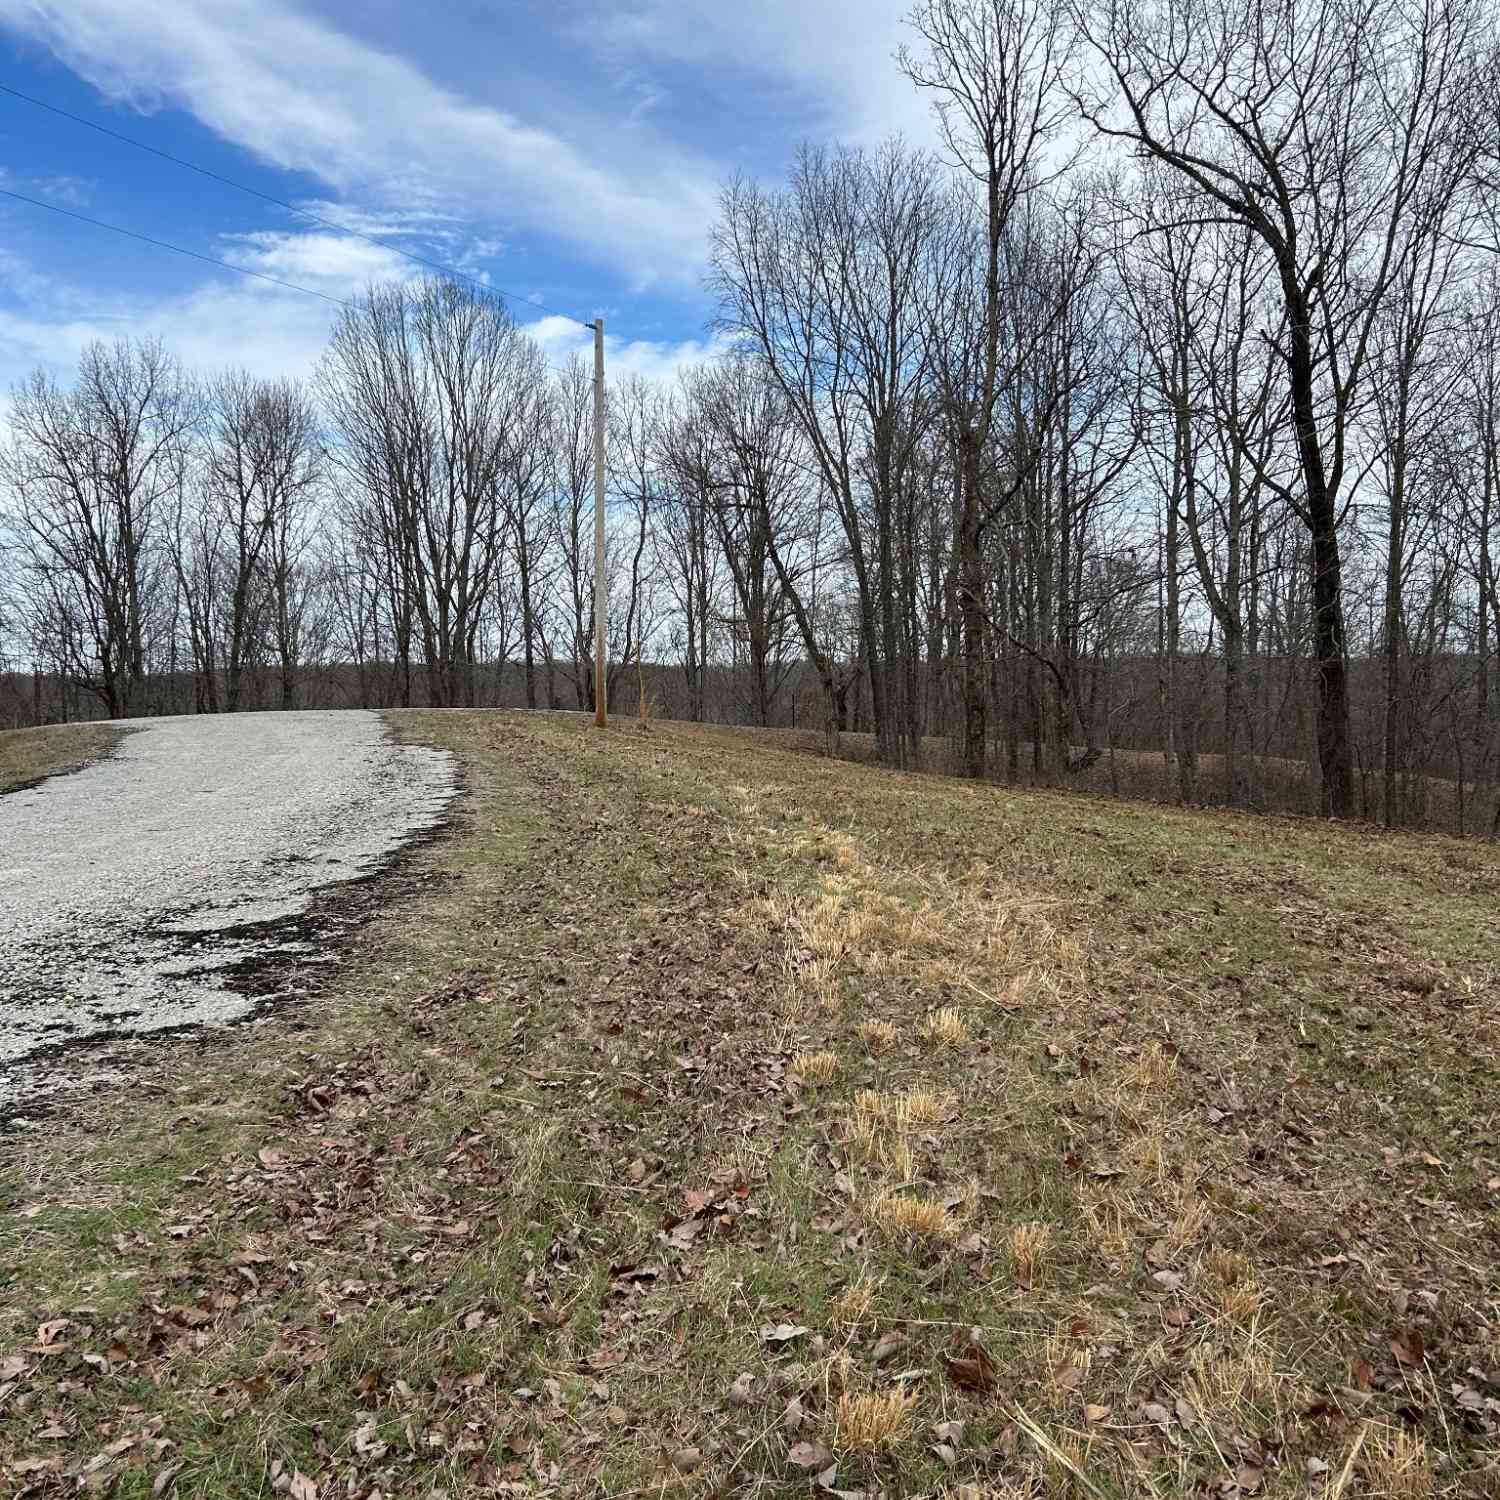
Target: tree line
1150,421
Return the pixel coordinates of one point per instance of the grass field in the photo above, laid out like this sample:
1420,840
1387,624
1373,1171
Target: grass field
721,1120
31,755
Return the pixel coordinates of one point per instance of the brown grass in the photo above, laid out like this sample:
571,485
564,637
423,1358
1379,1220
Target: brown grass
530,1185
871,1421
28,756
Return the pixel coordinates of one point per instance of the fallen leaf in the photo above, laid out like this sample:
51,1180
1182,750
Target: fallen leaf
809,1456
1409,1348
781,1333
974,1372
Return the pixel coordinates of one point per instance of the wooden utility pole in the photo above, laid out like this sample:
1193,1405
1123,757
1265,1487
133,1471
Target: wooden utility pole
601,687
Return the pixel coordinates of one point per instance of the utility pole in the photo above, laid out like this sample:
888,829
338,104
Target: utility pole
601,679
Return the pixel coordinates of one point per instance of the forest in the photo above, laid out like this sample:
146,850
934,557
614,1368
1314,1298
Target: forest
1142,435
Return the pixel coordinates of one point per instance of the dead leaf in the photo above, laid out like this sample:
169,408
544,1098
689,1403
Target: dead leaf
781,1333
976,1371
1409,1348
809,1456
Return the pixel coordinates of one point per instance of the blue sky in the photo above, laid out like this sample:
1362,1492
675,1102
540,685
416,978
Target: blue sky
567,150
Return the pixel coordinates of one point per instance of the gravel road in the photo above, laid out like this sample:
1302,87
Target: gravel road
132,892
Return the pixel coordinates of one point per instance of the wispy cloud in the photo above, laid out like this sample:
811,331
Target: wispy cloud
268,330
835,62
306,96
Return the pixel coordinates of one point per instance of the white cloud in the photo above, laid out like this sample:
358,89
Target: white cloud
307,97
332,264
839,57
654,359
265,329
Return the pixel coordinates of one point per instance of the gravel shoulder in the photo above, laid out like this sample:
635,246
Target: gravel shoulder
133,893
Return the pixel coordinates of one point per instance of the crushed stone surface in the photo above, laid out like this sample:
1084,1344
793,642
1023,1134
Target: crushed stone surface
131,892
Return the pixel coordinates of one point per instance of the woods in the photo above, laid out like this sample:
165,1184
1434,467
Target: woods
1145,434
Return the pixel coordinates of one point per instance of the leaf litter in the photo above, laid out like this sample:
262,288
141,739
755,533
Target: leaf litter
548,1195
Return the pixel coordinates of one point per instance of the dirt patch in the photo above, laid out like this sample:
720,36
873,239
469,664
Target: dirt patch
292,962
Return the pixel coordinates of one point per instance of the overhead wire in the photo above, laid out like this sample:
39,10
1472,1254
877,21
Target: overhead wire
211,260
282,203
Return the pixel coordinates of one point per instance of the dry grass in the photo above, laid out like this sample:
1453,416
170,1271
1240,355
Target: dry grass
1395,1463
946,1027
852,1305
876,1144
881,1035
911,1215
815,1067
1027,1246
871,1421
31,755
533,1189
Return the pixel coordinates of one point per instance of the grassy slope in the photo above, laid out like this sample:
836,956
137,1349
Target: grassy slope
1079,1147
30,755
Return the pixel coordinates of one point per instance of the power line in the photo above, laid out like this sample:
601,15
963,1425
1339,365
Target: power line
372,239
211,260
146,239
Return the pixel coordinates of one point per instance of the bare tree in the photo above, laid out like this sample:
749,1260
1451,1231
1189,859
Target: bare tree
1330,129
94,472
826,282
423,384
994,67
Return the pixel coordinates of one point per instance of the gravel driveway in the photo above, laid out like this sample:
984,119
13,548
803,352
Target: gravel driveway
132,892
